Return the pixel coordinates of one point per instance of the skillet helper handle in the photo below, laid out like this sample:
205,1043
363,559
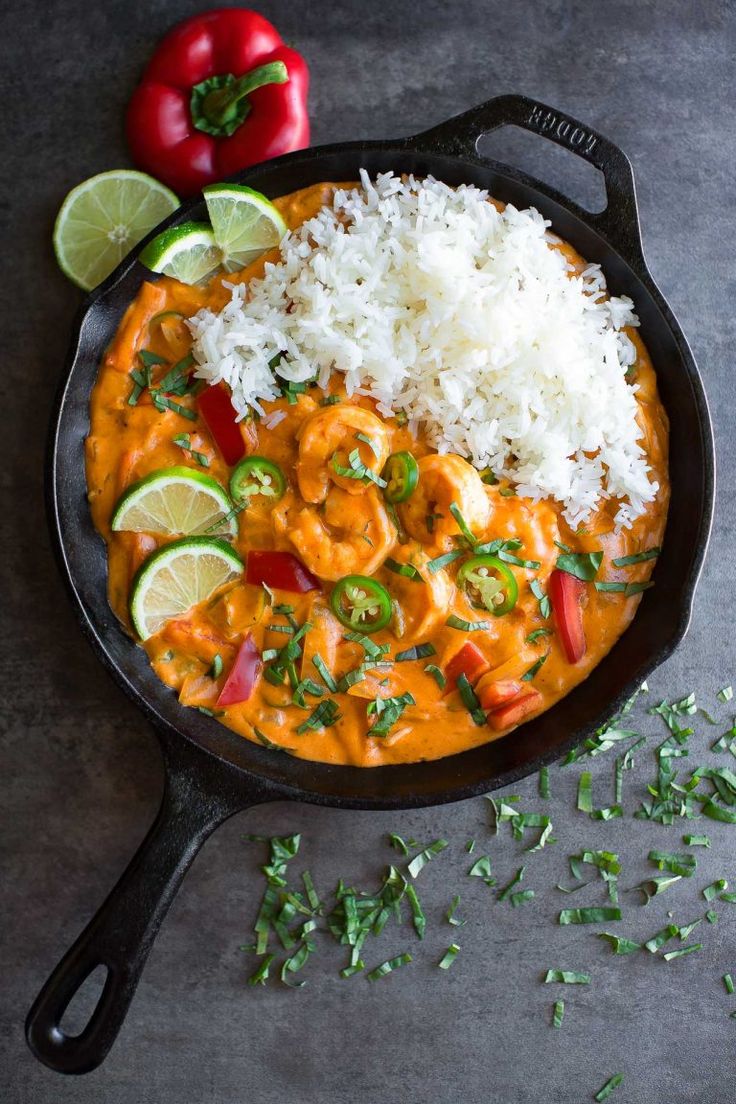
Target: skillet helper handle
121,934
618,223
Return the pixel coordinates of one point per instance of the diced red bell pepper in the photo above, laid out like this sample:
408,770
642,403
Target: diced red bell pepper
243,675
514,712
469,661
565,594
216,408
498,693
281,570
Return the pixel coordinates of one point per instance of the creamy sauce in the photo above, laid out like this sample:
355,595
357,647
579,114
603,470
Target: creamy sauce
128,442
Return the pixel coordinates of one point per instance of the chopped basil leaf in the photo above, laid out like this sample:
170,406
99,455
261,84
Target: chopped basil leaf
370,443
544,782
585,792
409,571
545,606
263,739
451,918
216,668
620,945
438,675
418,651
714,889
521,898
470,700
481,868
323,716
728,982
433,566
638,557
681,951
726,694
462,525
419,861
536,635
260,977
506,891
323,670
449,957
566,977
610,1085
558,1013
389,966
588,915
583,565
466,626
388,711
696,841
535,667
627,589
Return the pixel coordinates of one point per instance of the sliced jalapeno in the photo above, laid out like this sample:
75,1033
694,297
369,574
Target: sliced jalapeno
360,603
402,475
489,584
255,475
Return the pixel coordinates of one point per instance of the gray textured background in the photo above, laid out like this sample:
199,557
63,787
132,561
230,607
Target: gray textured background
80,770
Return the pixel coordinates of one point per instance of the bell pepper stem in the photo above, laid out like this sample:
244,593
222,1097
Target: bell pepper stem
220,104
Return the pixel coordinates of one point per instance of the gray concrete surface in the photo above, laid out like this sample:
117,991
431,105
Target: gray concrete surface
80,769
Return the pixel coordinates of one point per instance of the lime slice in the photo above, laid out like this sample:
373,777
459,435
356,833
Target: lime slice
244,222
102,219
188,252
178,577
175,500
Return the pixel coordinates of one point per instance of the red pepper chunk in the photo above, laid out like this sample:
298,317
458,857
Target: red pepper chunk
498,693
514,712
281,570
221,92
216,408
241,680
565,593
469,661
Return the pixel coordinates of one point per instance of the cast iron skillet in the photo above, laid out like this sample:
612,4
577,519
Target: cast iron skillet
210,772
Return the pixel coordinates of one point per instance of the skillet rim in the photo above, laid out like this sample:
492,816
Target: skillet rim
196,733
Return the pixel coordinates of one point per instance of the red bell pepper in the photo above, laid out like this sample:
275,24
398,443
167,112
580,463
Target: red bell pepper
565,593
221,92
243,675
281,570
469,661
514,712
216,408
498,693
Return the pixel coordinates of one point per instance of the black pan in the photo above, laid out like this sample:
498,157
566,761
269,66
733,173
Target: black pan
210,772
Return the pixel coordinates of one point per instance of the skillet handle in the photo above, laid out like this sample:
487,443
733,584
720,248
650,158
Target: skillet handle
618,223
198,796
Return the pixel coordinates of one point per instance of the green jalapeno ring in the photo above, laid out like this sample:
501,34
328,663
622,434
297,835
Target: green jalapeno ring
470,573
401,473
364,597
256,475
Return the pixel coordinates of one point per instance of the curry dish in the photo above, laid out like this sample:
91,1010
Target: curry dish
396,605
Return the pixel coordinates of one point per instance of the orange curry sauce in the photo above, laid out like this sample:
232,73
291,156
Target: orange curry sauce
128,442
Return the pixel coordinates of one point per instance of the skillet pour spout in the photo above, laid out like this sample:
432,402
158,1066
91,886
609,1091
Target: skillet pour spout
212,773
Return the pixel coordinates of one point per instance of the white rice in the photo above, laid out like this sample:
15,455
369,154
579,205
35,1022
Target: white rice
429,300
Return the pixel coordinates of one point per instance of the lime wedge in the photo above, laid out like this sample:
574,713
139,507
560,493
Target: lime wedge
188,252
103,218
244,222
178,577
175,500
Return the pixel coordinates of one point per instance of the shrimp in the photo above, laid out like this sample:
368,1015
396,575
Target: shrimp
443,480
347,536
420,606
331,433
